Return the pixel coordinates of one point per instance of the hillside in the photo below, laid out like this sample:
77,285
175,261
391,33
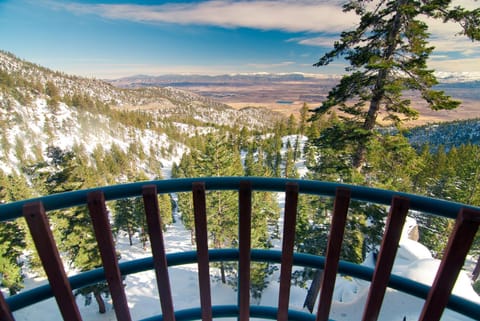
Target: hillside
448,134
40,107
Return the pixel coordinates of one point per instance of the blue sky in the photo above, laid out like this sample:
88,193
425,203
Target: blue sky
110,39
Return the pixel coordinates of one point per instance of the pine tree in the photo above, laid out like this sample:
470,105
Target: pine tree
66,171
12,243
291,125
265,215
219,158
304,111
53,92
129,213
393,163
290,169
124,220
13,236
187,168
388,54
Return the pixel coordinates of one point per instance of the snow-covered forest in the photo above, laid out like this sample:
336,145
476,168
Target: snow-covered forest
62,133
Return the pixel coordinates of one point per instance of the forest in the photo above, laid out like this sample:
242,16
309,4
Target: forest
344,142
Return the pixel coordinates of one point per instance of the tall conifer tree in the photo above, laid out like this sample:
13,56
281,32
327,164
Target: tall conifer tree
387,55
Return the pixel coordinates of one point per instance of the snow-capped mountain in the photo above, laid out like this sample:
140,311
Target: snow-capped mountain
452,77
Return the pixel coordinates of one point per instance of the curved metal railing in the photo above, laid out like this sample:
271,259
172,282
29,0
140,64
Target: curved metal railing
342,193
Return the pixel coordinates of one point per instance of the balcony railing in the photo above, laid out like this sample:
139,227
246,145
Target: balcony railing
437,297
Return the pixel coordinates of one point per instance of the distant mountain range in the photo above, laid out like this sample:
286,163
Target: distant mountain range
443,77
178,80
459,85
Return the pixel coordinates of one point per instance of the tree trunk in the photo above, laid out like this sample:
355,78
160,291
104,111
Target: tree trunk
379,89
312,293
370,120
130,233
192,237
143,236
100,302
476,270
222,273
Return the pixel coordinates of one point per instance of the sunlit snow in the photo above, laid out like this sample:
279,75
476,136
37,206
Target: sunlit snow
413,261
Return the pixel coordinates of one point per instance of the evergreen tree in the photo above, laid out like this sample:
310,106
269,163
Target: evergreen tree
12,243
388,54
439,183
311,234
66,171
124,219
187,168
129,213
265,215
392,164
291,125
219,158
304,111
53,92
290,169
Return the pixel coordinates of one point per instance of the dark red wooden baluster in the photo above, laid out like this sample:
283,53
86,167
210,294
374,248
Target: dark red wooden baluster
335,239
459,243
290,216
200,213
47,250
245,225
388,250
103,233
154,221
5,313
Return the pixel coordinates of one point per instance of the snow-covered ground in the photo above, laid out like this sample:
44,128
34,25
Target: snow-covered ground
413,261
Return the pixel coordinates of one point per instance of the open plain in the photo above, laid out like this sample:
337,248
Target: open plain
286,93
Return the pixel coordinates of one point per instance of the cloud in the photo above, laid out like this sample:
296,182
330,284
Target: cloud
286,15
456,44
455,65
321,41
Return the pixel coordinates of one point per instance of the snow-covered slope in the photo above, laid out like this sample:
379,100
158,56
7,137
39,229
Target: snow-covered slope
40,108
413,261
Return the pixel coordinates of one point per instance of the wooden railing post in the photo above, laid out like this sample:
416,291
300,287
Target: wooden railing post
5,313
289,223
154,221
42,236
201,235
386,256
103,234
335,239
245,226
459,243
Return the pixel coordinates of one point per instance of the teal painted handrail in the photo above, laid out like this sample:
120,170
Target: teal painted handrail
367,194
456,303
423,204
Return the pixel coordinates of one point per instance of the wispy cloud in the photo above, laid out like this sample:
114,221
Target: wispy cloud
457,44
320,41
287,15
456,65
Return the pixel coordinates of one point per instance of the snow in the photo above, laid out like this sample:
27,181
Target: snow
301,140
454,77
413,261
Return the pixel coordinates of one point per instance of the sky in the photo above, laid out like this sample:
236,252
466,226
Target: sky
112,39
